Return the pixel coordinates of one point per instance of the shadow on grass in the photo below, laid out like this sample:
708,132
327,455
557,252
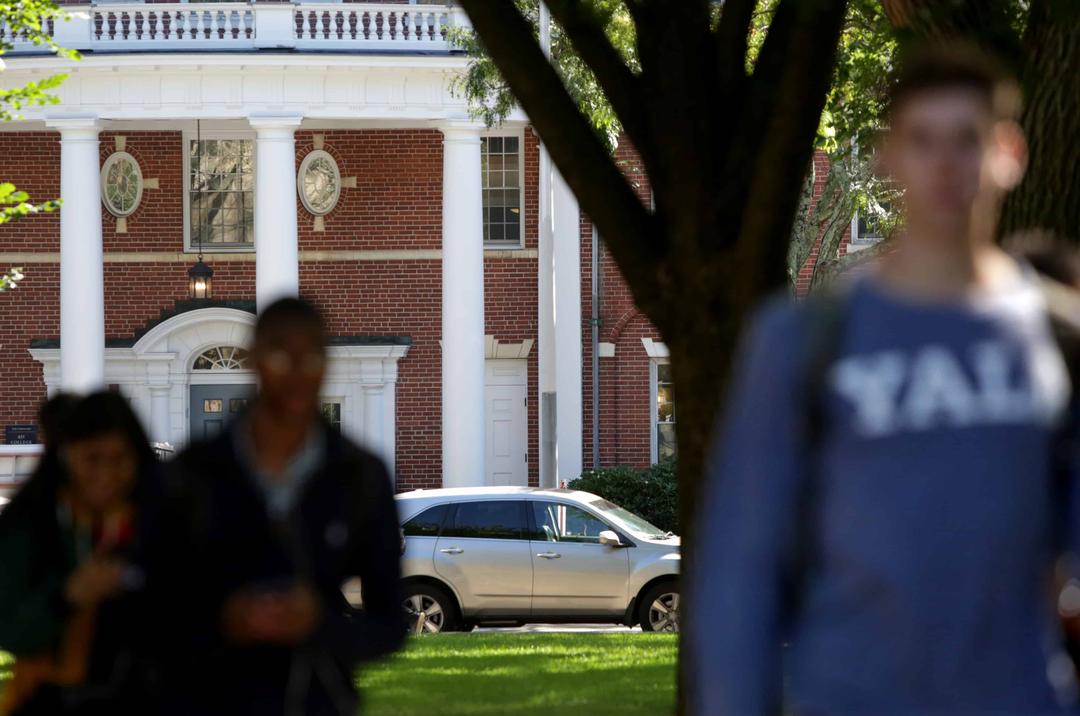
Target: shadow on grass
524,674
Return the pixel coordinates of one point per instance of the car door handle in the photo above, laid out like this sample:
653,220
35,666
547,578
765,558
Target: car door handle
548,555
452,550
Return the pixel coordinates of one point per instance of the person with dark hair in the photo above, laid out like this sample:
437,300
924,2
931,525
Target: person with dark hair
69,584
885,497
269,519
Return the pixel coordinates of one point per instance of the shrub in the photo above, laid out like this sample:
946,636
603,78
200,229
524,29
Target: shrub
651,493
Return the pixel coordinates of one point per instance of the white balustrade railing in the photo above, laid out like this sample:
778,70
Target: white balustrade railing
161,26
389,25
139,26
16,37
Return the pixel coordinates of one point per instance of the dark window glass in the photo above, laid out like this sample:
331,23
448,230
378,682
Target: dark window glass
556,522
488,520
427,523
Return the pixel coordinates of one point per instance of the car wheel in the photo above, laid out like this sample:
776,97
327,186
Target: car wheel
660,608
429,609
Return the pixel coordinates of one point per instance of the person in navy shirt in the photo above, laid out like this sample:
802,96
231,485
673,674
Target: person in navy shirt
896,556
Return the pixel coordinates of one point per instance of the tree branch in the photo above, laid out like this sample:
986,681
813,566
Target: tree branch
620,86
787,95
732,36
602,190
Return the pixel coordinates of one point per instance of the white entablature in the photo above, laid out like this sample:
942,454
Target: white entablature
397,90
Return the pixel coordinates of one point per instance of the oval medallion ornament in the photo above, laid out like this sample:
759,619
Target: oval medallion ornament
121,184
319,182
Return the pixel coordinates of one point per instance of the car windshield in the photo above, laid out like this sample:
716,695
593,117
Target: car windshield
627,519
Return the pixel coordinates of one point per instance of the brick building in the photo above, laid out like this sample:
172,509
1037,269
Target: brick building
315,148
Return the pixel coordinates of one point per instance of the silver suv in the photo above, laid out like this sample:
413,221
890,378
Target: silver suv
510,555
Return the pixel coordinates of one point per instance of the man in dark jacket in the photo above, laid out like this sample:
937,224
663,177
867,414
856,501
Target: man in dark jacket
262,526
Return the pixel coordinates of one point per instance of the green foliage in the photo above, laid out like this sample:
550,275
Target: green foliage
15,204
855,110
650,493
10,279
28,21
851,186
490,98
525,675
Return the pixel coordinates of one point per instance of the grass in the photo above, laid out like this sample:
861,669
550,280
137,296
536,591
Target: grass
525,674
517,675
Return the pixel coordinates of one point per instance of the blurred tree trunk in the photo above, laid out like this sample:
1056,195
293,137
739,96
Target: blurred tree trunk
1049,196
725,152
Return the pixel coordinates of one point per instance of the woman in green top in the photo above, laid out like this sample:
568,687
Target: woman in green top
70,602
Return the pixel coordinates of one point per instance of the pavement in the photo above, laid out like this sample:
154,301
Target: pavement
562,629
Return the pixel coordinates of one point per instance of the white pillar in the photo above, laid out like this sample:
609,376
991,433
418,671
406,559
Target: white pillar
462,308
568,364
82,280
545,330
277,262
159,413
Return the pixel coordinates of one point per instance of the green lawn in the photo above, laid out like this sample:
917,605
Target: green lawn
518,675
525,674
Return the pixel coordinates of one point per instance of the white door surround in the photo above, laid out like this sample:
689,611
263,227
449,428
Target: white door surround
506,431
156,373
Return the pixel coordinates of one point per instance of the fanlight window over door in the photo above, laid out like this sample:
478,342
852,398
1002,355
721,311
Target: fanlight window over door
221,358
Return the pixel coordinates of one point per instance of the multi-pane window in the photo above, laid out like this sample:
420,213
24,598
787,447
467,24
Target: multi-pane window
331,412
664,417
500,162
221,191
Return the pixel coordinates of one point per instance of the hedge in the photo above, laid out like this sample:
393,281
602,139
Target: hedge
651,493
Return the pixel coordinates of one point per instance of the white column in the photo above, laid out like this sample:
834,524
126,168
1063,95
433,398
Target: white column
82,280
462,308
545,330
159,413
277,263
568,367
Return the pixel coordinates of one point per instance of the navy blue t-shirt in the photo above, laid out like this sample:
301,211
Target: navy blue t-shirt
934,516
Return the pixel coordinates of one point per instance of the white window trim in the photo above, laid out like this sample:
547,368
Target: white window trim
188,136
520,134
305,164
340,400
115,158
859,239
653,449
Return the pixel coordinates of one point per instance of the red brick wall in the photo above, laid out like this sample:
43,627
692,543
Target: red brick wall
30,311
625,409
397,205
806,273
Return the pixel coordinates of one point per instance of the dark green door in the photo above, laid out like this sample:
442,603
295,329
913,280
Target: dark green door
213,406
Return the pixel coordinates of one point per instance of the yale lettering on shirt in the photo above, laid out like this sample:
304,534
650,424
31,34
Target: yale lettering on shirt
935,386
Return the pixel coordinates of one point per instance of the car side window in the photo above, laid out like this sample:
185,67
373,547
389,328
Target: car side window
494,519
558,522
427,523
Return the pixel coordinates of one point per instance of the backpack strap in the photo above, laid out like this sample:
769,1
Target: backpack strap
825,319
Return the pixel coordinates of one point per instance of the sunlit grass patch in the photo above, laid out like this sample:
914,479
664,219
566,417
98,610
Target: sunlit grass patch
521,674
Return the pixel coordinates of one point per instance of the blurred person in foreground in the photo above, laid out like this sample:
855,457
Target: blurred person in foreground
882,516
70,593
265,523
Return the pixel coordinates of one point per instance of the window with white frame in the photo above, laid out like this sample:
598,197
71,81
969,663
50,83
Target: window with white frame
663,413
221,192
331,412
500,162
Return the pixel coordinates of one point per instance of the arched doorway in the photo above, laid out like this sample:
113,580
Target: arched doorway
221,387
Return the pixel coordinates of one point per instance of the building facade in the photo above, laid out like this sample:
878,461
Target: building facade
318,149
